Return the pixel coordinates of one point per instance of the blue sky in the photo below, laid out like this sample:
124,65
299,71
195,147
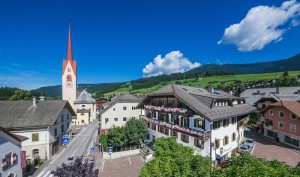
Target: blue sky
115,40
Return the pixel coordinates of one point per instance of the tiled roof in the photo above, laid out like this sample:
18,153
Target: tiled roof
201,101
285,93
293,106
22,114
84,98
122,98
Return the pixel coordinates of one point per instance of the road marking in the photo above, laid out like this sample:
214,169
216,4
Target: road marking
41,173
129,160
103,164
252,149
48,172
56,157
81,143
142,159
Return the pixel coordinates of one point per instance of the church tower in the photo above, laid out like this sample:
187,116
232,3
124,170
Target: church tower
69,75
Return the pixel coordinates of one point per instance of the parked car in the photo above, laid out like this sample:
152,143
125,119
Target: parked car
249,142
244,148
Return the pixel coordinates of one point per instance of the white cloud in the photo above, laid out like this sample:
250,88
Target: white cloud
173,62
261,26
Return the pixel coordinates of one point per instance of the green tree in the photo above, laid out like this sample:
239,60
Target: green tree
247,165
135,131
116,136
174,159
21,95
104,141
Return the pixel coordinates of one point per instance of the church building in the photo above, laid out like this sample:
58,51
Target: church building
83,104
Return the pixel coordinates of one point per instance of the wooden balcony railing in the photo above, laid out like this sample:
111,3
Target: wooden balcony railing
204,135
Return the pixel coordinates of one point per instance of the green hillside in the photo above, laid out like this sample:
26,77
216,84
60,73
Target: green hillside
291,64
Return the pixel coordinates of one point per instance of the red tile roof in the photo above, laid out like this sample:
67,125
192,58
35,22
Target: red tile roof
293,106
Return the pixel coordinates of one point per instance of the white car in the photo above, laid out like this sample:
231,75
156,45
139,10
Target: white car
249,142
244,148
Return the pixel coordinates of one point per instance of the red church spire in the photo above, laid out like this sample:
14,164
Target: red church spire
69,54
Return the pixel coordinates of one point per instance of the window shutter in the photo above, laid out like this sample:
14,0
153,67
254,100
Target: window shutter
15,157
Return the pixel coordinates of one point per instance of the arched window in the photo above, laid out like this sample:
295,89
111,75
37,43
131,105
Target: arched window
69,78
35,153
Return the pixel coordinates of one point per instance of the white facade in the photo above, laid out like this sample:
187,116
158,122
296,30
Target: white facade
69,84
44,142
231,131
10,148
119,114
85,118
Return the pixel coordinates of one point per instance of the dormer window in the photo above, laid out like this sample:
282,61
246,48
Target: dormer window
69,69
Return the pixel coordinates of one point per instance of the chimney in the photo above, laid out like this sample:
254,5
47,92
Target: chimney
231,92
277,90
42,98
33,101
212,90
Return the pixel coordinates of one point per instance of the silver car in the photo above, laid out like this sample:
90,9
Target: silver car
244,148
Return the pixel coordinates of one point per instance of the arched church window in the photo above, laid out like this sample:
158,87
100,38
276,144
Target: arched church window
69,78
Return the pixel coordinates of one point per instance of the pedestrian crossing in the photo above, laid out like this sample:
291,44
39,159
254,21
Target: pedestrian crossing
45,174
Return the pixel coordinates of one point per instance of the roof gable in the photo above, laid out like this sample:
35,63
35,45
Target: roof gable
84,98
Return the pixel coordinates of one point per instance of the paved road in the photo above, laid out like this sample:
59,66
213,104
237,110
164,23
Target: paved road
79,146
270,150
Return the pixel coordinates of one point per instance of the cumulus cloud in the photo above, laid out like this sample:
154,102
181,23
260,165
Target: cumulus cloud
261,26
173,62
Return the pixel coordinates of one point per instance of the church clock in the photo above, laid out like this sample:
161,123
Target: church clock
69,84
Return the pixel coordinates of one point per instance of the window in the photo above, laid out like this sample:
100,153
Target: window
225,122
62,118
184,138
280,114
55,132
216,125
62,128
148,125
133,118
69,78
35,153
69,69
270,133
225,140
217,144
124,118
271,113
293,116
233,136
233,120
290,140
174,133
68,125
198,123
280,125
82,113
106,120
163,130
293,127
82,121
83,106
114,109
7,160
198,143
133,108
116,119
35,137
124,108
153,127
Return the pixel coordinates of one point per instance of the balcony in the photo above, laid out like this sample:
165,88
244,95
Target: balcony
165,109
204,135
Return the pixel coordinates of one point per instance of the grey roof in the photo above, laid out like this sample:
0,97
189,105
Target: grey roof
22,114
84,98
202,101
285,94
122,98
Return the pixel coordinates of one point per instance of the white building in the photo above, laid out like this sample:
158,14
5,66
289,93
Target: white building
210,122
69,75
85,108
10,148
118,111
43,122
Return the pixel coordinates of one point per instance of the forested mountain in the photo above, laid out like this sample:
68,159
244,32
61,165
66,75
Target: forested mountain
6,92
291,64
